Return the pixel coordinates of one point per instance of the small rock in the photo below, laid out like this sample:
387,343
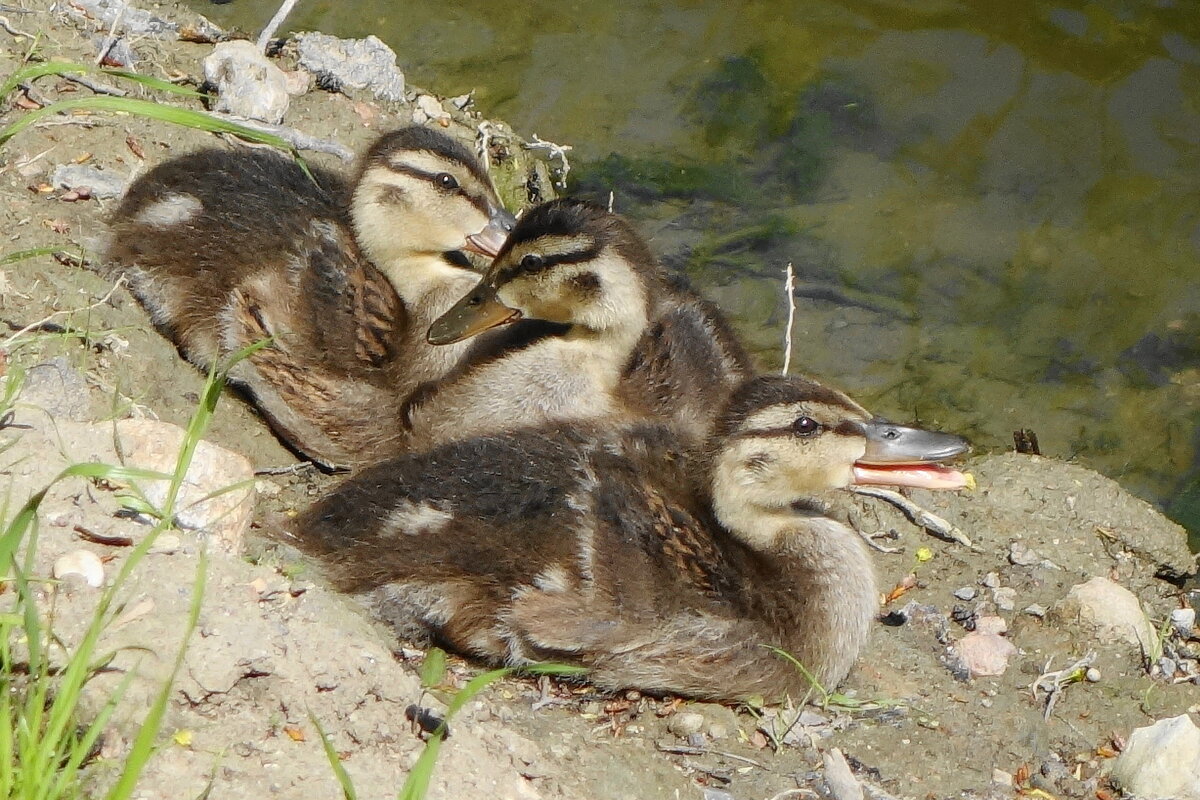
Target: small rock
991,580
1005,598
100,183
991,625
716,794
118,54
155,445
248,84
1092,675
428,108
965,593
1183,620
1108,610
1001,778
984,654
358,63
1034,610
1022,554
697,740
1161,760
685,723
83,565
131,20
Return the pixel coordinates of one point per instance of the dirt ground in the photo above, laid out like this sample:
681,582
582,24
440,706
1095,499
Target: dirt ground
273,645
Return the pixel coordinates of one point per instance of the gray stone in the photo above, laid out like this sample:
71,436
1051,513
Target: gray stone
154,445
1161,760
965,593
132,20
1182,622
1108,610
358,63
1005,598
1022,554
101,183
248,84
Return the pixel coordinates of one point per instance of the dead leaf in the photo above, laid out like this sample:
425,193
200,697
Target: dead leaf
295,734
135,147
909,581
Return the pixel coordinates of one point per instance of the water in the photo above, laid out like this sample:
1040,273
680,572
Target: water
993,207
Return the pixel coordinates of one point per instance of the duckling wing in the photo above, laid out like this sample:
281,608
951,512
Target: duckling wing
331,383
686,364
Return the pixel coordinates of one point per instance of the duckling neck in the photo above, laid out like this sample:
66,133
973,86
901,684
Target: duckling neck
614,323
813,581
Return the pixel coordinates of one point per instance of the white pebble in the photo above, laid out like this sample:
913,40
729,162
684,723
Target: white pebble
82,563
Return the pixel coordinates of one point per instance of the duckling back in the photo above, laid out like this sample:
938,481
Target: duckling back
191,229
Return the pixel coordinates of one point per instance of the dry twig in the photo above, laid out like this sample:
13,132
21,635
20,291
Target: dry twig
789,288
274,24
1052,682
917,515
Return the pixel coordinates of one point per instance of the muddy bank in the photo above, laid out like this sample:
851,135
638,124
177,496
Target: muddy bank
273,644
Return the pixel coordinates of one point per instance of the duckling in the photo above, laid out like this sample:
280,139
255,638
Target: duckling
225,248
633,340
621,550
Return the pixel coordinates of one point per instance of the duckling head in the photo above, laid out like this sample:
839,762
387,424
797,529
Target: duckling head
568,262
421,193
783,441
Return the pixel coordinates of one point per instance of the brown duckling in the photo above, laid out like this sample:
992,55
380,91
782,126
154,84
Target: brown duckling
585,545
633,342
227,247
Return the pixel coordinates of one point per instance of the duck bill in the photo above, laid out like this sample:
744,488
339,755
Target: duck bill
479,311
897,455
488,241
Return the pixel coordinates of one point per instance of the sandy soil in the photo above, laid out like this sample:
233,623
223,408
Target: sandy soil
274,645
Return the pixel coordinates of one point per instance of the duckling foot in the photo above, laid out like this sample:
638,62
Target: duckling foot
917,515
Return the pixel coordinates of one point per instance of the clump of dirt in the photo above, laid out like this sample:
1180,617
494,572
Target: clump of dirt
273,645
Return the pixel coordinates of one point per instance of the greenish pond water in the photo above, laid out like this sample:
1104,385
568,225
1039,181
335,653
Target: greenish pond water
992,206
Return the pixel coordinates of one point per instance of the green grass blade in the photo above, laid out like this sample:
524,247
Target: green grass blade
21,255
343,777
433,669
151,110
35,71
81,748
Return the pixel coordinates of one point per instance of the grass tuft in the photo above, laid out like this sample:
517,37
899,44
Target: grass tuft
43,679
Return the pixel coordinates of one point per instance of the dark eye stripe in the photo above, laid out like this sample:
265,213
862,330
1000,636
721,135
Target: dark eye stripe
549,261
431,178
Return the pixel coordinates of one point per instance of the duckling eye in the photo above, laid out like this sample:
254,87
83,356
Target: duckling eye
805,426
446,180
532,262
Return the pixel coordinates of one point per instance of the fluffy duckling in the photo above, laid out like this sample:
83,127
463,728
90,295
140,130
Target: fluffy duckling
632,341
585,545
226,247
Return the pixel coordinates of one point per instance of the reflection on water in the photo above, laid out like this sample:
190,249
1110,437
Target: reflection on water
993,207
